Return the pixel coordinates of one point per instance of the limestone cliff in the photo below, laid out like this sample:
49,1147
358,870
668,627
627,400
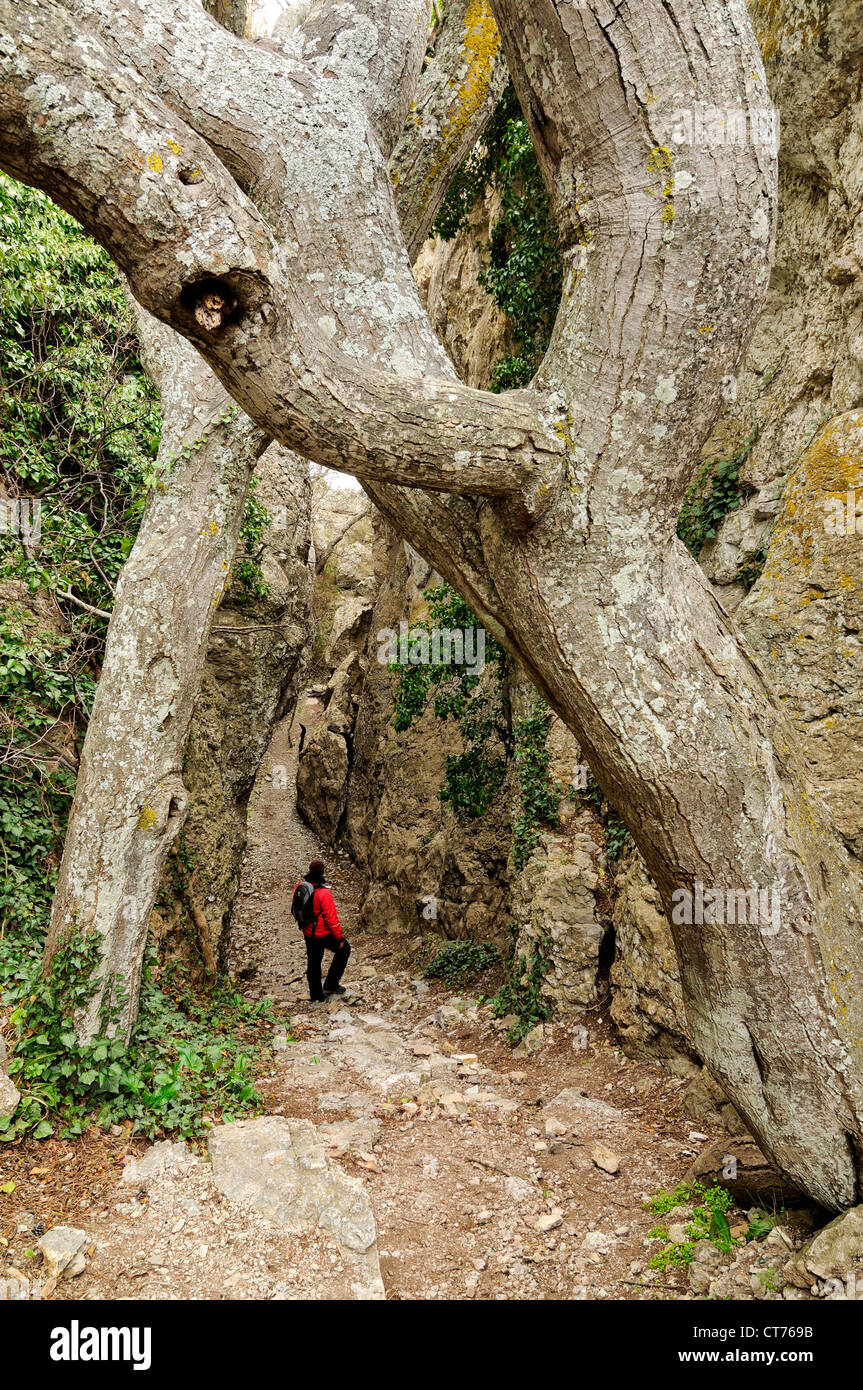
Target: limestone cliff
255,663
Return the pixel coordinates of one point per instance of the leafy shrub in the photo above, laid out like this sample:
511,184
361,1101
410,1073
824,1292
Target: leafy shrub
539,797
703,511
479,707
188,1063
523,273
521,991
461,960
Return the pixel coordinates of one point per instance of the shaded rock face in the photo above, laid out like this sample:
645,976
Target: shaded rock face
351,622
324,764
471,327
647,1007
554,906
422,865
556,901
805,615
251,678
805,361
342,536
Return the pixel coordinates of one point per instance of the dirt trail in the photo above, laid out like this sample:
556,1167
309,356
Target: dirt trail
488,1175
267,952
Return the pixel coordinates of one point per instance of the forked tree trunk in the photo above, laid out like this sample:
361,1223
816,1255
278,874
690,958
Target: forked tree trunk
130,800
560,528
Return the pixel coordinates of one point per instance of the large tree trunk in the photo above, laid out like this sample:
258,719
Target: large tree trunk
560,528
130,799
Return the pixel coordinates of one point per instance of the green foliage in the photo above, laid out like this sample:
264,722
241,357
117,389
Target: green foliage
759,1227
461,960
751,570
79,430
703,511
521,991
188,1064
661,1203
43,680
709,1221
617,835
478,170
247,567
474,777
539,798
79,420
673,1256
524,272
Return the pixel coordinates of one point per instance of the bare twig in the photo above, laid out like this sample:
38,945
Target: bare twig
79,602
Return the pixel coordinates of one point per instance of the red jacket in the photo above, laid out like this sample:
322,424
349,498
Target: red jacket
326,921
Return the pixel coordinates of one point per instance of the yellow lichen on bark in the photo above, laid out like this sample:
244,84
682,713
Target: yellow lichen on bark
787,23
480,44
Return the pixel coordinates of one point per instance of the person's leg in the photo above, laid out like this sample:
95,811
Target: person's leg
314,956
341,950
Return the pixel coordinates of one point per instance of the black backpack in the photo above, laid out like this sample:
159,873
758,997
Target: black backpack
302,908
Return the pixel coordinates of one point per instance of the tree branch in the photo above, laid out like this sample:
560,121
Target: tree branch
462,83
200,256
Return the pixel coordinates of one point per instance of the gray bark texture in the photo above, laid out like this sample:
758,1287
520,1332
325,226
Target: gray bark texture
245,191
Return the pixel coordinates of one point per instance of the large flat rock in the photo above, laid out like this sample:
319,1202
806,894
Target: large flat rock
279,1167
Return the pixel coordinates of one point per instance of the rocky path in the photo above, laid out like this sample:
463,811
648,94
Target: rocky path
407,1152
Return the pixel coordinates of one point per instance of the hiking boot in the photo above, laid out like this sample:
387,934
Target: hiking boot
334,989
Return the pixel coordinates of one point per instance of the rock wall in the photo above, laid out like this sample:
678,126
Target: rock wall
255,666
805,363
378,788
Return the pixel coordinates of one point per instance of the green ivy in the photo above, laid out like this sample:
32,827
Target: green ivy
521,991
706,507
479,707
188,1064
461,960
79,431
617,834
247,568
79,419
539,797
524,269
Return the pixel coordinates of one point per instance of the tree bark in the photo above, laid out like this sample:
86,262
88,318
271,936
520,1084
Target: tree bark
462,82
287,270
130,800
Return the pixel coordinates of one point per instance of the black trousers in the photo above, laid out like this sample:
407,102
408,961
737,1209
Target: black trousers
315,947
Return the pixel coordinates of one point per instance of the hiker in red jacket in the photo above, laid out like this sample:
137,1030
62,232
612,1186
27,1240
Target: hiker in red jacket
315,913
